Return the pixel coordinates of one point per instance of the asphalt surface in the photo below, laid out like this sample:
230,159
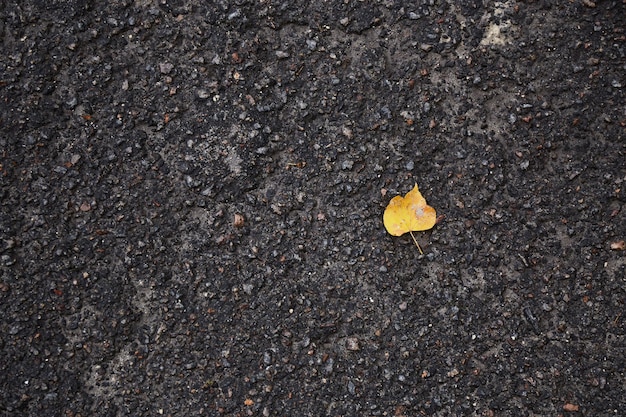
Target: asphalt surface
192,194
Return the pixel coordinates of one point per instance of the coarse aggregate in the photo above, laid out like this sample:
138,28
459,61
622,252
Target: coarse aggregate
191,199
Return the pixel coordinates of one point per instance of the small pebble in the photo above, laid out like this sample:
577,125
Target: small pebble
239,220
352,344
351,388
166,67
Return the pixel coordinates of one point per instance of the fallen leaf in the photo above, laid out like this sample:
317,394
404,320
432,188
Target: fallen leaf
619,245
409,214
248,402
571,407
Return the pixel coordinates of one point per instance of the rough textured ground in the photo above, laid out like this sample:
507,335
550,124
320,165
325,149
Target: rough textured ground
192,197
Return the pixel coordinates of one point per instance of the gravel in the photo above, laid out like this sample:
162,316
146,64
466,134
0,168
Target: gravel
192,198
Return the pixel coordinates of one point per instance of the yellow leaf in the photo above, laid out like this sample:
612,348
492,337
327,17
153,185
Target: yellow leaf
409,214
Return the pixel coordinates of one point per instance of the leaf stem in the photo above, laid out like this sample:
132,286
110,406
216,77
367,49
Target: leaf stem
416,244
